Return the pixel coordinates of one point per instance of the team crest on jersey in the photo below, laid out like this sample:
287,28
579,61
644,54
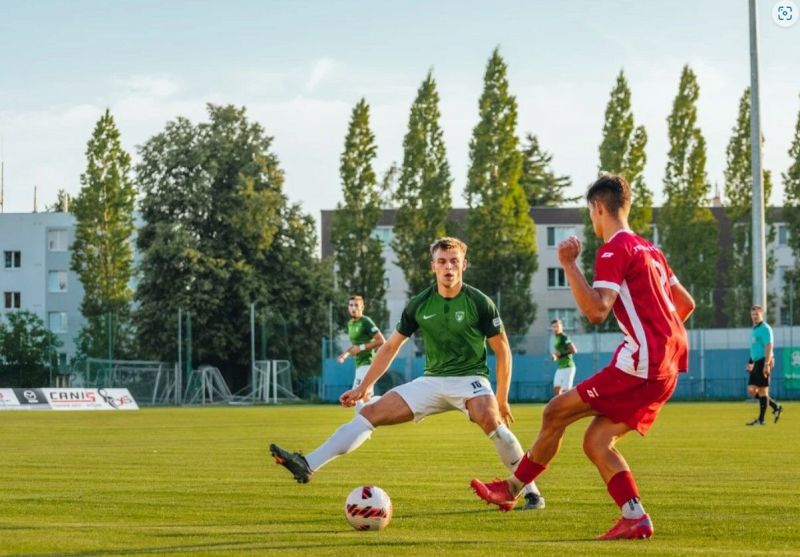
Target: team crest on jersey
459,316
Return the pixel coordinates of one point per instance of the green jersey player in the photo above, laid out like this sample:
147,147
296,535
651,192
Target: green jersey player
455,321
365,338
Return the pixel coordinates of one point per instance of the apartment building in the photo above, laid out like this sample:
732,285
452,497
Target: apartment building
35,274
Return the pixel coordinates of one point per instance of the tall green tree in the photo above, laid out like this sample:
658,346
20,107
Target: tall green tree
27,350
543,188
688,229
102,255
357,253
791,214
499,228
423,193
622,151
218,235
738,292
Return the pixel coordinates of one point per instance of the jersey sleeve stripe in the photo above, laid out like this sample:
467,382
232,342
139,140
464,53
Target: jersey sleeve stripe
606,284
673,280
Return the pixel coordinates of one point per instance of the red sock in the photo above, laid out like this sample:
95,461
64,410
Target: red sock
527,470
622,488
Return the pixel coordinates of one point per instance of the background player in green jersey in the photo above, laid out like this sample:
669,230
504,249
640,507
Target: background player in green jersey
563,349
365,338
455,321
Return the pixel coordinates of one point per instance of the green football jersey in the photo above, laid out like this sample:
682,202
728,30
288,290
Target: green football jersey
454,330
361,331
562,342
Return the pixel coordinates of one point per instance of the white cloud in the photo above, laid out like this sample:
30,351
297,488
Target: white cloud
322,68
149,85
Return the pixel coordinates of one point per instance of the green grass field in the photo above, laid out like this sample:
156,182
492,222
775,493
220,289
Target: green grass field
199,481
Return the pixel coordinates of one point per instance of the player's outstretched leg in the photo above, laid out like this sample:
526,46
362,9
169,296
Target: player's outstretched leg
511,453
630,529
496,493
293,462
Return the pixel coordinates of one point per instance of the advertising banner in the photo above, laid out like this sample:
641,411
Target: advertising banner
791,368
67,399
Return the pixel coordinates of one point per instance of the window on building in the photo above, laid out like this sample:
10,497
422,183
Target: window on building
57,321
384,233
13,259
783,234
556,234
556,278
57,281
57,240
568,316
13,300
62,360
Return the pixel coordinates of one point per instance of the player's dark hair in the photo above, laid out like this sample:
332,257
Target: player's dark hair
612,190
357,298
554,321
757,308
448,242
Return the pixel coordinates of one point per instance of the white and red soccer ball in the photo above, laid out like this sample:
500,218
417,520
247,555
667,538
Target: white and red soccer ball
368,508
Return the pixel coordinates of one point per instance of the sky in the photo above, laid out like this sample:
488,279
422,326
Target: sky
300,66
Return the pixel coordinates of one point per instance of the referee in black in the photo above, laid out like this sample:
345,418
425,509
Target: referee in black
760,366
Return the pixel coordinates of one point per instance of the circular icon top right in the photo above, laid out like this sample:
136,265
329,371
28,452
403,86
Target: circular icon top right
785,13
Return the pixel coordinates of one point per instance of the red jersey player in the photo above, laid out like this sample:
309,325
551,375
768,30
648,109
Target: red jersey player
632,277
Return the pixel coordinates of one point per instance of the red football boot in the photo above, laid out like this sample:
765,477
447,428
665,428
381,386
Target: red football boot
496,493
630,529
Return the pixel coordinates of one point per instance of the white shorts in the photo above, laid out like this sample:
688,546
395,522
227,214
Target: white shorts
564,377
361,372
428,395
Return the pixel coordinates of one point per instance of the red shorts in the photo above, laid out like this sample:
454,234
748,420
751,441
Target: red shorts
621,397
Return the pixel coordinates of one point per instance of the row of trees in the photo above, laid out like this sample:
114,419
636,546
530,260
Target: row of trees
218,232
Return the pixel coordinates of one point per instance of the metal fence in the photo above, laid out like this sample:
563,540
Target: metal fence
716,365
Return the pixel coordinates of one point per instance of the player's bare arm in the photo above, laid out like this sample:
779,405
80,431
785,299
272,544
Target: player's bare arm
383,358
594,303
502,351
684,303
769,361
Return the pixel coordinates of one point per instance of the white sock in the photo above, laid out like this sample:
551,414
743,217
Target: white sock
633,508
510,451
347,438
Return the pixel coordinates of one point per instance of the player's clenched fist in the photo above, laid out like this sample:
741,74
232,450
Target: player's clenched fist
569,249
349,398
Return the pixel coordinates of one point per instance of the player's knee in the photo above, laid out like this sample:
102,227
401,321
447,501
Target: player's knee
594,446
370,414
554,413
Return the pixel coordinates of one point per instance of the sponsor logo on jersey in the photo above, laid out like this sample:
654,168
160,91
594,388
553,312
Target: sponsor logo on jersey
607,255
428,316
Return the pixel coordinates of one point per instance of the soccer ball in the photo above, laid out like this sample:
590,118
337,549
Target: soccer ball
368,508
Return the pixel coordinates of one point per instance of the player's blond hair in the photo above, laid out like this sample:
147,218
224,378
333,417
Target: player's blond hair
446,243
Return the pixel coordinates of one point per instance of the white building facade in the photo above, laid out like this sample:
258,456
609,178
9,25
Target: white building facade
35,273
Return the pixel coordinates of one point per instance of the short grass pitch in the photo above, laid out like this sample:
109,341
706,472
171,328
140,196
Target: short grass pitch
199,481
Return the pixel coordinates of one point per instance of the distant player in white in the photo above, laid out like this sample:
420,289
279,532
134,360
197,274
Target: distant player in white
561,353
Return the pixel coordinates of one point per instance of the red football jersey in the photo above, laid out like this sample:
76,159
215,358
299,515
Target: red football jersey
655,342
